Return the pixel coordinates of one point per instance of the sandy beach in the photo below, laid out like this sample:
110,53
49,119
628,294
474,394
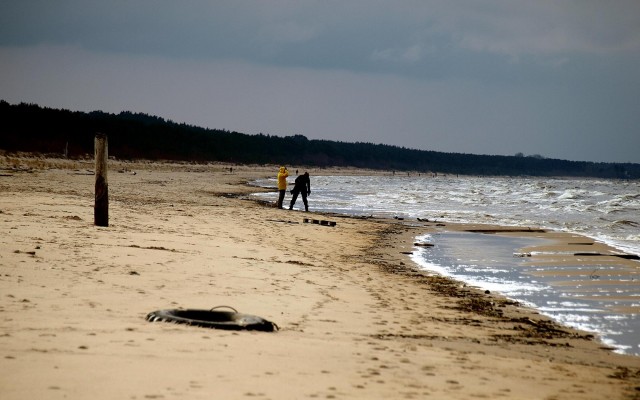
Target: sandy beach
357,319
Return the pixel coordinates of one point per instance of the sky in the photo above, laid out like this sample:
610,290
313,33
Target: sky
560,78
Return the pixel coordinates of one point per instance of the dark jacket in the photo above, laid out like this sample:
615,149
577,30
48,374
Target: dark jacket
303,184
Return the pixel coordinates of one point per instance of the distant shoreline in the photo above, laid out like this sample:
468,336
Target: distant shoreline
141,136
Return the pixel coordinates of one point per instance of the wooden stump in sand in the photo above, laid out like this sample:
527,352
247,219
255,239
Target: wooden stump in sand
101,206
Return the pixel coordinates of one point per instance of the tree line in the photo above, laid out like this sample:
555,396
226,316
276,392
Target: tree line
31,128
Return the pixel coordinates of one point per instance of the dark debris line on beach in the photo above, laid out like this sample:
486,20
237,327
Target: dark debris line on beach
474,301
526,330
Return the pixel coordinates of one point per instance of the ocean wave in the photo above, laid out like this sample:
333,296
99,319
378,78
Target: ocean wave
572,194
625,223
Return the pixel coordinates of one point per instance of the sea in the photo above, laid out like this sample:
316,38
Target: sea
602,299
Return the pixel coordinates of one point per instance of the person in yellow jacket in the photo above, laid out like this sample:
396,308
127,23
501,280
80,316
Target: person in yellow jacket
282,185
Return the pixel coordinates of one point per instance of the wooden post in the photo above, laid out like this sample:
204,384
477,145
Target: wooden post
101,207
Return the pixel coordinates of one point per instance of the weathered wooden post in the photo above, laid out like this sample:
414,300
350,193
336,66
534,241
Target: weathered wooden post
101,207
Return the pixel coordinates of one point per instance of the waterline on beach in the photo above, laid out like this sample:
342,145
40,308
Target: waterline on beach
605,210
580,299
591,297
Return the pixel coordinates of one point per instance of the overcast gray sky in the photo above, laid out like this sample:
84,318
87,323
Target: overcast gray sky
556,78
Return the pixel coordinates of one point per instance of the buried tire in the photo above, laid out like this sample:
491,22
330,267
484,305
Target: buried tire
228,320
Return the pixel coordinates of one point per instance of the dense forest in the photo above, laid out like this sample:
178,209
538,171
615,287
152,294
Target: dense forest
31,128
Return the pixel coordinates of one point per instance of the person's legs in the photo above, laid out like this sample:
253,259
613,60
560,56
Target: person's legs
304,200
281,198
293,199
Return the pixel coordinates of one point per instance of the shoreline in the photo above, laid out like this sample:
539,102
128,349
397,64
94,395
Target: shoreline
574,280
358,319
556,204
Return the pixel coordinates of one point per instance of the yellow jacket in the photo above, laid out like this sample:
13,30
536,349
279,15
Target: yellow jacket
282,178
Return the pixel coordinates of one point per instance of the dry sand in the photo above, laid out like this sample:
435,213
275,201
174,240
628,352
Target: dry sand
357,320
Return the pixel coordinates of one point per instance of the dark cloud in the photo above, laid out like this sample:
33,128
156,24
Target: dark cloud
495,76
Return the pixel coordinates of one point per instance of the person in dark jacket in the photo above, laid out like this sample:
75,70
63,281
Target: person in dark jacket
303,187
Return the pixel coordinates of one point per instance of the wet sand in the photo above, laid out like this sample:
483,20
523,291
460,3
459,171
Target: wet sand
357,318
